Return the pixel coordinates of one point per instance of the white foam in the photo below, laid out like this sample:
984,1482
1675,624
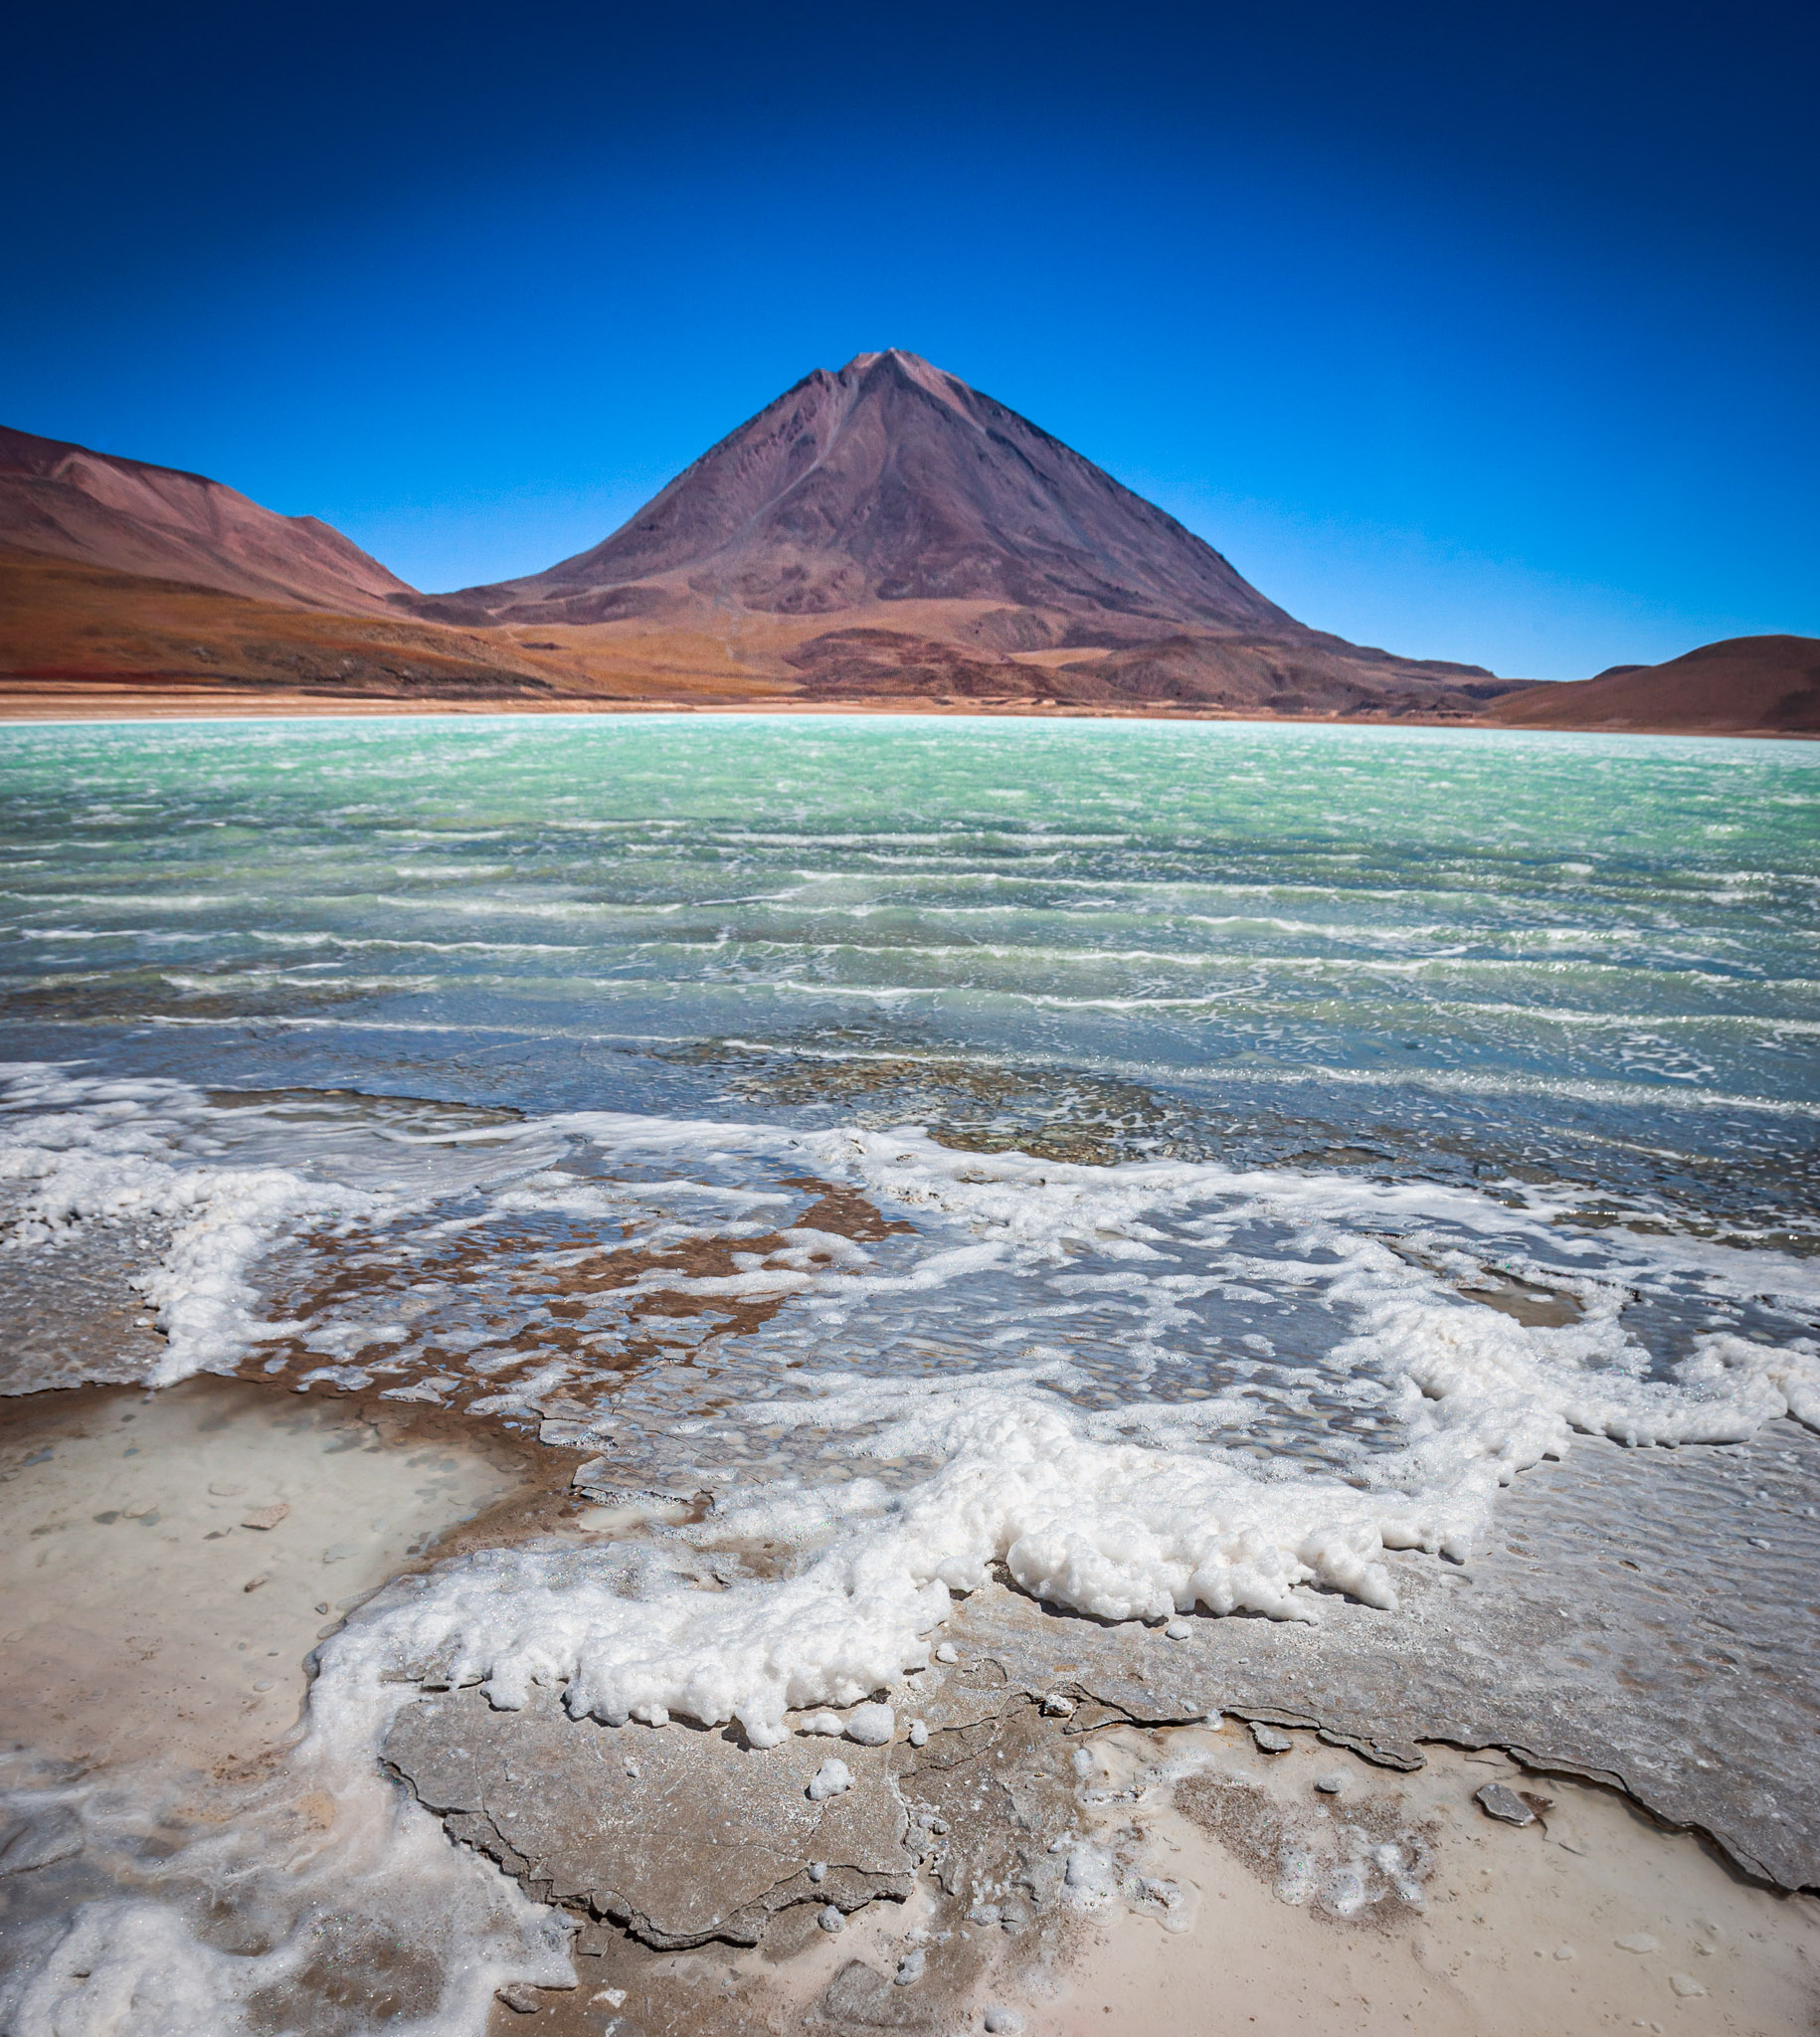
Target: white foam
155,1157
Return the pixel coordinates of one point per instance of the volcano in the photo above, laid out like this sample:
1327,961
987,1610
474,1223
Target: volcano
880,535
894,482
956,550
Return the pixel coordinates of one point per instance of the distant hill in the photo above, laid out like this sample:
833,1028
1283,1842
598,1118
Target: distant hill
1743,686
80,637
887,531
67,503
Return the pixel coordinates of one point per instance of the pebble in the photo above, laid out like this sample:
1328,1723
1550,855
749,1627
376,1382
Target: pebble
829,1780
1566,1953
831,1919
1271,1739
946,1653
262,1518
1007,2020
1638,1941
1055,1706
910,1968
817,1869
919,1733
1504,1804
522,1999
1686,1985
1331,1783
1179,1630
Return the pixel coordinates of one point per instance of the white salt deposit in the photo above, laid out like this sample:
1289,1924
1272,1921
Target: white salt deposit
833,1779
1141,1509
1129,1512
871,1725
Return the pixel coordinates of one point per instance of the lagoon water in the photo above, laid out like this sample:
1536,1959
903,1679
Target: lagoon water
1165,1165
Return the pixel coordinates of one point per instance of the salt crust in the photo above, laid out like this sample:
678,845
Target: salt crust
1131,1513
1135,1512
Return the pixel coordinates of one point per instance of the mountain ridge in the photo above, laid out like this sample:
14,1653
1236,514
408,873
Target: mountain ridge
880,535
1738,685
63,501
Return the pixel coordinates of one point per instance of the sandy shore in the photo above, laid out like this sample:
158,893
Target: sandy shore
213,704
168,1561
33,708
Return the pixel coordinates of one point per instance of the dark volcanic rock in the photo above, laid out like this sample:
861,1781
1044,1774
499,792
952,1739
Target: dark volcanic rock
865,663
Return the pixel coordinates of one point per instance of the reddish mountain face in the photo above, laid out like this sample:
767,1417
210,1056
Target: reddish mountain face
1742,685
878,535
894,482
70,503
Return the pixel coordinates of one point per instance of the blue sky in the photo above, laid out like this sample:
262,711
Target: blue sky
1481,333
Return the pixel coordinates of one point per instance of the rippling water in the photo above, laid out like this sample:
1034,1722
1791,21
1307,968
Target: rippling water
1176,1163
1585,926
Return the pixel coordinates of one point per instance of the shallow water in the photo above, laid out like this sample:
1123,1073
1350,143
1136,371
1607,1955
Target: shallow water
1173,1163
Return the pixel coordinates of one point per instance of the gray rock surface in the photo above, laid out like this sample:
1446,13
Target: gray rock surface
1504,1804
706,1840
1622,1622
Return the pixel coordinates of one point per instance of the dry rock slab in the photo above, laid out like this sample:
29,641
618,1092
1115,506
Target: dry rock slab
679,1834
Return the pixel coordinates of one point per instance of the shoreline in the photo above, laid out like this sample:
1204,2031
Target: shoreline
1058,1862
46,712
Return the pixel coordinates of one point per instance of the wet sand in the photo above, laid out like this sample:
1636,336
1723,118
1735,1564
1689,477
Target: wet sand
168,1561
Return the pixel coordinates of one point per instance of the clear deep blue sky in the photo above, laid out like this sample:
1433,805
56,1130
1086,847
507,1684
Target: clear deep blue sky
1476,331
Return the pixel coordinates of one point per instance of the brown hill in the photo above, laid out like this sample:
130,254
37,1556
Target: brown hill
70,503
79,638
1743,686
890,487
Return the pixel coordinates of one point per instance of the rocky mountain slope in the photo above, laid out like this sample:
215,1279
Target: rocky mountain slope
940,545
67,503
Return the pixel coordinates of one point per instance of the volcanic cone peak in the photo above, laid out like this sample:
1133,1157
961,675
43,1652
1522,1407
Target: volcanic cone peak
893,481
